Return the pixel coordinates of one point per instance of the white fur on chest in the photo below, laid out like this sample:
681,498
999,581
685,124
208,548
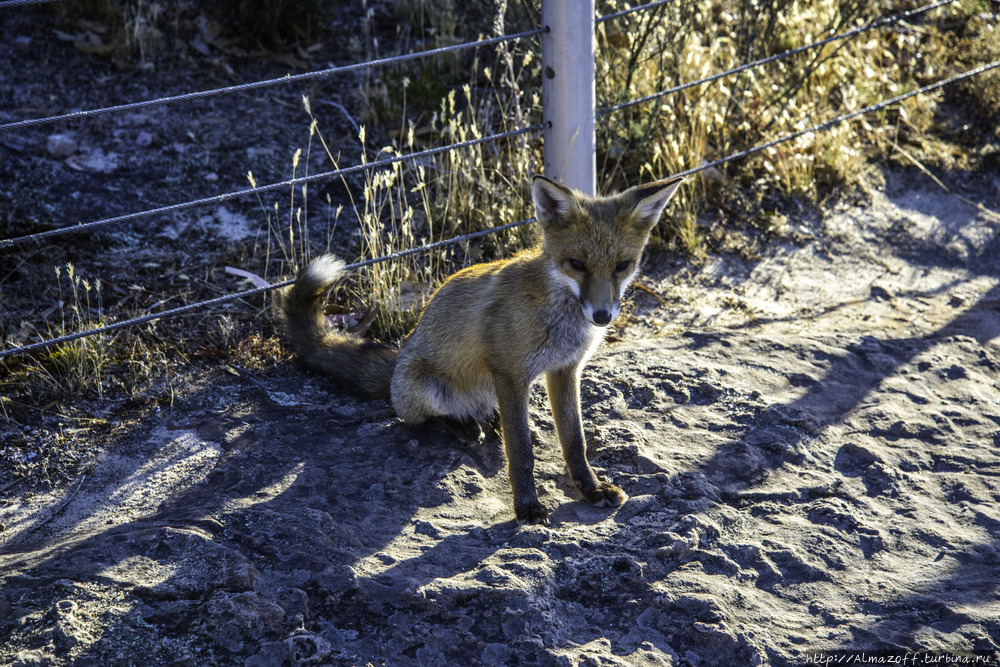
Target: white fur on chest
570,340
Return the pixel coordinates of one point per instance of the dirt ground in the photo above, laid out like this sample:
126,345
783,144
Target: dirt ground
808,435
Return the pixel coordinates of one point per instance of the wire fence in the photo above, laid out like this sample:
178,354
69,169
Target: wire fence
820,127
467,237
201,305
304,180
292,78
217,199
770,59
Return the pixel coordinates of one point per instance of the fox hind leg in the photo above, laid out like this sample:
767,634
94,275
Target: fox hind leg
419,395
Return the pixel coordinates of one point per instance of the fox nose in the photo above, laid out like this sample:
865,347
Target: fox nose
601,317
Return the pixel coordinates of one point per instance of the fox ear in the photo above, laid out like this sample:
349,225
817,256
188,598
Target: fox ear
651,199
552,201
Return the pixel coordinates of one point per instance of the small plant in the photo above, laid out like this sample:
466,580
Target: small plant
393,291
293,240
80,364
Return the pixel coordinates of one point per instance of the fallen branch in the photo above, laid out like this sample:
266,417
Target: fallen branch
650,291
61,507
10,484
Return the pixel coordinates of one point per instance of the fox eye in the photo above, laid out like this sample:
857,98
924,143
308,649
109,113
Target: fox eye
623,265
577,265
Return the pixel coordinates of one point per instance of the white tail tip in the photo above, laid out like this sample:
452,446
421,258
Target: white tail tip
325,269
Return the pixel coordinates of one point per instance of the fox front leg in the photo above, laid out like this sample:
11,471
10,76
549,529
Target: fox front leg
512,395
564,396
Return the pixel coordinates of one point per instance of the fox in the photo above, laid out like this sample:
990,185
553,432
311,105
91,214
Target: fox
492,329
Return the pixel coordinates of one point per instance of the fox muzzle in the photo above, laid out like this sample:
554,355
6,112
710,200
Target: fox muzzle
602,317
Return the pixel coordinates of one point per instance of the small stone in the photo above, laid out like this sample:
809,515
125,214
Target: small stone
61,145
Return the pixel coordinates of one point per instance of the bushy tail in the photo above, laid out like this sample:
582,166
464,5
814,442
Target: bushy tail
357,363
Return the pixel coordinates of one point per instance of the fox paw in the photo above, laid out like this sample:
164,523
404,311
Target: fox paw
605,495
531,514
467,431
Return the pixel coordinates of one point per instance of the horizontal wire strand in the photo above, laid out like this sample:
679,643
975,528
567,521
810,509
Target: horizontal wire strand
820,127
252,292
5,4
625,12
291,78
218,199
778,56
260,290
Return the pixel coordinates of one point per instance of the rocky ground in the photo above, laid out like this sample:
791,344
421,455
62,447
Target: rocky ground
808,432
810,447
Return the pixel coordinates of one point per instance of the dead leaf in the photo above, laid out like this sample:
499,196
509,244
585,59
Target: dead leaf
92,43
66,37
256,280
199,45
72,163
361,327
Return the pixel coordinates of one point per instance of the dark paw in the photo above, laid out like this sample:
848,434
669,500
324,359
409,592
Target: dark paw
532,514
493,428
467,431
605,495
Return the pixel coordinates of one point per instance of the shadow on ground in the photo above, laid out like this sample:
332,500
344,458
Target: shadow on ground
789,494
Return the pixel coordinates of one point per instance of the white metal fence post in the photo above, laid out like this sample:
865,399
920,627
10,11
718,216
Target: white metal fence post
568,96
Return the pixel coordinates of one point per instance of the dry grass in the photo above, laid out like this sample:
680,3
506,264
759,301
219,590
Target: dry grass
419,202
78,366
687,41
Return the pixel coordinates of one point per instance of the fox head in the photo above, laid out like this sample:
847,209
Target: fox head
596,242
